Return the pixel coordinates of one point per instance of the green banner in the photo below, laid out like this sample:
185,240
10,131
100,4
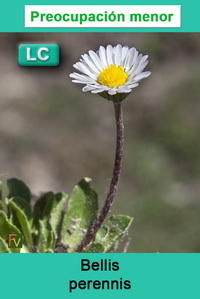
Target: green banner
135,276
13,16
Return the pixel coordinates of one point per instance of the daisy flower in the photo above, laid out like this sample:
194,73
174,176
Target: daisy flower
111,71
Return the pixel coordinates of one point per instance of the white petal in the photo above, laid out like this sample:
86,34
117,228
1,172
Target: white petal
109,52
96,60
82,68
98,90
118,54
87,66
132,85
90,63
98,86
112,91
139,77
145,57
102,55
141,67
76,66
80,81
135,65
124,53
124,90
88,88
81,77
131,58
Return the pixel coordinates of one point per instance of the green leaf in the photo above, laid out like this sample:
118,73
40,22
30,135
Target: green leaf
49,251
112,231
1,189
24,249
23,220
24,206
95,247
18,189
57,213
46,236
40,209
81,214
48,215
7,228
4,247
1,202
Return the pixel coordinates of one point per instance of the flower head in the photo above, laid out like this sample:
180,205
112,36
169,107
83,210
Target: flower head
111,72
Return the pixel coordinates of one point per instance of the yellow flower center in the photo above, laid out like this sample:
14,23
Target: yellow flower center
113,76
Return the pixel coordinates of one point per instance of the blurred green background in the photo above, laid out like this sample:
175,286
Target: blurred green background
52,134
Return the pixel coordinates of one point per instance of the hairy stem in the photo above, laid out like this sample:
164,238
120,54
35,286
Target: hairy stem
114,181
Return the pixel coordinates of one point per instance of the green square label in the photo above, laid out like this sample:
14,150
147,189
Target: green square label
38,55
15,240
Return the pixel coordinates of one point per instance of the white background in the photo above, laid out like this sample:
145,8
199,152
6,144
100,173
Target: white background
96,9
